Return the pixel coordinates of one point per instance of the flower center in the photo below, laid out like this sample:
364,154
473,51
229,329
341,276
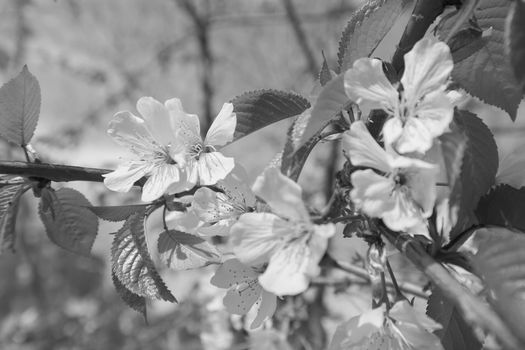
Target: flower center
198,148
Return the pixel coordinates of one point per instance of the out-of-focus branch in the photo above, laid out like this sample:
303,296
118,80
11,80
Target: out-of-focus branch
201,23
300,35
474,310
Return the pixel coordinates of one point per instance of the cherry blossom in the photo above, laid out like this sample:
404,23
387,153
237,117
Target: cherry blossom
151,138
419,107
397,189
220,210
400,328
290,243
244,291
203,162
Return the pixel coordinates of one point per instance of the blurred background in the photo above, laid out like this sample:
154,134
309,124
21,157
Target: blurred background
94,58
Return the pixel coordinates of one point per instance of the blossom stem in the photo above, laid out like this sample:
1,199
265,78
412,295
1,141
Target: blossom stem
474,310
398,294
362,273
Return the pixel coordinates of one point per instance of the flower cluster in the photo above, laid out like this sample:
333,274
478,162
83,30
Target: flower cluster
273,246
399,184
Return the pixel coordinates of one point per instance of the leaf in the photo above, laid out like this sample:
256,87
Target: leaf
504,205
365,30
487,73
325,75
134,301
331,101
132,263
500,261
293,139
116,213
453,145
257,109
479,168
515,40
19,108
9,199
69,224
456,334
183,251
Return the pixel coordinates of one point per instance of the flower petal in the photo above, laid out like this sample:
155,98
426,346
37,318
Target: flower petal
212,206
131,131
235,186
363,150
422,184
357,331
162,176
282,194
427,68
220,228
404,215
123,178
367,85
239,300
415,137
157,117
212,167
435,112
256,236
402,311
186,126
223,127
232,272
267,304
372,192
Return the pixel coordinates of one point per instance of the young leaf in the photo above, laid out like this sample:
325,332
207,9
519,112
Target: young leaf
134,301
293,139
132,263
479,168
487,73
515,40
325,75
69,224
367,27
9,198
19,108
500,261
330,102
504,205
116,213
183,251
456,334
257,109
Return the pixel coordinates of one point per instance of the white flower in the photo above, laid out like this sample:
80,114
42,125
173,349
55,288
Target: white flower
151,138
401,328
403,190
419,108
220,210
289,242
204,164
244,291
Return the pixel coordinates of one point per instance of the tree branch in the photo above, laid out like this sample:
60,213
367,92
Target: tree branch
423,15
474,310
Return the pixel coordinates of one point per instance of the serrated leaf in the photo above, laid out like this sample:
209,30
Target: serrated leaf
487,73
69,224
116,213
504,205
257,109
183,251
367,27
9,199
132,263
293,139
479,168
331,101
19,108
515,40
456,334
134,301
500,261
